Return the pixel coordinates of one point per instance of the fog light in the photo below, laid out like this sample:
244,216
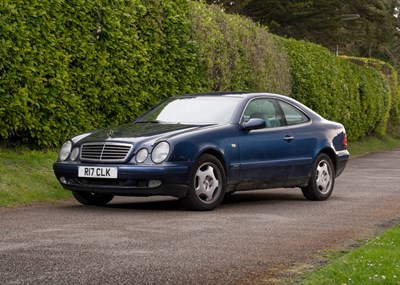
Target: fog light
63,180
154,183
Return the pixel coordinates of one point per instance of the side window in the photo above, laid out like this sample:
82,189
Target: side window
293,115
262,109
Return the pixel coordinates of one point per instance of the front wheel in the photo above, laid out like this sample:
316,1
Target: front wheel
322,180
91,198
207,184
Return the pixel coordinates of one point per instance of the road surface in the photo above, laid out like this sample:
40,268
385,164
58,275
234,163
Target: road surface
251,238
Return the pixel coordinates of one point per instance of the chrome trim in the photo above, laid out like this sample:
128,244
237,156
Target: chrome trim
105,152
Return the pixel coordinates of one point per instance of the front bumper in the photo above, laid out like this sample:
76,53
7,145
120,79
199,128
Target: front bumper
133,180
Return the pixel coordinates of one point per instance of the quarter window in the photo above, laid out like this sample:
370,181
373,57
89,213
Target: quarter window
293,115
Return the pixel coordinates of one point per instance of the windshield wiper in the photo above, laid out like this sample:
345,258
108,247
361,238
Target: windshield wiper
150,122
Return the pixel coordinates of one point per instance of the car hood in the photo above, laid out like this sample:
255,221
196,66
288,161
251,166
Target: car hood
135,133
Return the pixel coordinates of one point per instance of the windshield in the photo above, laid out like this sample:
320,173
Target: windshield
193,110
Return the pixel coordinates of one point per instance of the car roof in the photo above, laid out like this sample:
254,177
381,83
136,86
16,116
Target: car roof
240,94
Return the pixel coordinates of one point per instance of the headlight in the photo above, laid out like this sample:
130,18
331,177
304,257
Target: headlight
65,150
141,155
160,152
75,153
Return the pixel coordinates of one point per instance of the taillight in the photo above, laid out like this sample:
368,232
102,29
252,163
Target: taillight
345,141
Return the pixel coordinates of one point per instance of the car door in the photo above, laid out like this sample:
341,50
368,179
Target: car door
302,138
268,155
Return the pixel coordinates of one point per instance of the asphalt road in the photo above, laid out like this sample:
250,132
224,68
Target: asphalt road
250,238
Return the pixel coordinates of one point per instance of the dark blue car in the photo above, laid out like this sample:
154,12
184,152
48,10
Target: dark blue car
200,147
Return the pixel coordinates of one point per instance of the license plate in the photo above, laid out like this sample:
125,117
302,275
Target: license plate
98,172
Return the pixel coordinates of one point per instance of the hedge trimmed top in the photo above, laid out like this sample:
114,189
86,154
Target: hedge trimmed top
70,66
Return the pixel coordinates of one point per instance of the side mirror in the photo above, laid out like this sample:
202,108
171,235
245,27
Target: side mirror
254,124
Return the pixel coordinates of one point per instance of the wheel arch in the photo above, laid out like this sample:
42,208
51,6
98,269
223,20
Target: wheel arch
332,155
217,154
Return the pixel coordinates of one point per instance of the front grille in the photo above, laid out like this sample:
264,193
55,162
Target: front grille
105,152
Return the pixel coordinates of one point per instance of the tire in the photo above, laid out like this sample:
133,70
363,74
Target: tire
207,185
322,180
91,198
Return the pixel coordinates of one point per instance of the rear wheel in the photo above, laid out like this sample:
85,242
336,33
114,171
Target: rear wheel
322,180
207,185
91,198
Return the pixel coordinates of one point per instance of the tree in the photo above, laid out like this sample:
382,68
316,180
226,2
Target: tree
374,34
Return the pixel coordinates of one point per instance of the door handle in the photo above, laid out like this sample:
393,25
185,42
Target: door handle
288,138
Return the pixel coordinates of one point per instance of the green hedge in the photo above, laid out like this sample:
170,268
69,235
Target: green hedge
391,77
357,96
69,66
237,54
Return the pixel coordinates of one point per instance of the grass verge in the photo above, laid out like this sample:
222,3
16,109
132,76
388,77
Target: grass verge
377,262
27,177
373,144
